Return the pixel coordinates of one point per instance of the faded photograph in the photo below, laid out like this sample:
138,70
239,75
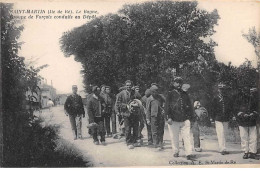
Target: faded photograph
130,84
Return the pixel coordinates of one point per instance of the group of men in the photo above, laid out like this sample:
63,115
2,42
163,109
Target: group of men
132,112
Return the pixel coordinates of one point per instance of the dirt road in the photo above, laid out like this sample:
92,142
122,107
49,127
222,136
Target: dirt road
116,153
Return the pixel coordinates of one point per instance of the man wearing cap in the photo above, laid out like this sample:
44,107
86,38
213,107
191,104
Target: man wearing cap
179,113
75,110
138,96
119,117
106,95
95,109
131,121
154,117
222,106
247,117
148,127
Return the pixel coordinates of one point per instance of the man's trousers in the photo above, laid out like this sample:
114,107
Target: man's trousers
99,130
248,139
141,126
107,119
131,128
174,130
113,120
221,129
76,124
195,135
258,135
157,127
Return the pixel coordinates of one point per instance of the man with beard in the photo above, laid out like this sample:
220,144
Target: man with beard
179,113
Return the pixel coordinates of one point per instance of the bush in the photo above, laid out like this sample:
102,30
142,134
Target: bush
26,142
40,146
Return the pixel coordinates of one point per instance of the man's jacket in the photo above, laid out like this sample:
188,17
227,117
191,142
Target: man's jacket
154,107
222,107
123,98
74,105
247,106
178,106
109,102
95,107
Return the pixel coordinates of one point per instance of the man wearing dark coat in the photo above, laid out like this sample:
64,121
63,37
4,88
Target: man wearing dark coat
179,114
95,109
222,112
131,120
148,127
247,117
75,110
154,117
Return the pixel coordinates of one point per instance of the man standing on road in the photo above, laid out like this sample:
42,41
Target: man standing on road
119,117
222,112
95,111
247,117
179,113
154,117
106,95
75,110
131,120
148,127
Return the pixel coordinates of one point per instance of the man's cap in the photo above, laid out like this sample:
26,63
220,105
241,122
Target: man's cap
154,88
94,88
128,81
137,86
178,80
103,85
108,86
74,86
121,88
154,84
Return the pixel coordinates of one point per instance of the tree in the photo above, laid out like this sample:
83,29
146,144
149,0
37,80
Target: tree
26,142
142,42
254,38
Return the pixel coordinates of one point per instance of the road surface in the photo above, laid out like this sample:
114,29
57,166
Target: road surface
116,153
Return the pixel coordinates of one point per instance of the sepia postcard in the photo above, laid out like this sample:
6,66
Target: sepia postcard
136,83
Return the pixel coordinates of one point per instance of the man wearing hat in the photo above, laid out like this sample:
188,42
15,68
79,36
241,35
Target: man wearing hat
95,109
131,120
154,117
222,112
148,127
106,95
119,117
179,113
75,110
247,117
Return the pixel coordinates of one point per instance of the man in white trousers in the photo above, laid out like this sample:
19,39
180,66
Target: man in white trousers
247,117
222,112
179,112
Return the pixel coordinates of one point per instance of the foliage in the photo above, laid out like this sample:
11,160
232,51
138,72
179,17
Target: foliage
26,143
149,42
254,38
141,42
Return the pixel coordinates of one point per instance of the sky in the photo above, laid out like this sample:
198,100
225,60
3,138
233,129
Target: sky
41,37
